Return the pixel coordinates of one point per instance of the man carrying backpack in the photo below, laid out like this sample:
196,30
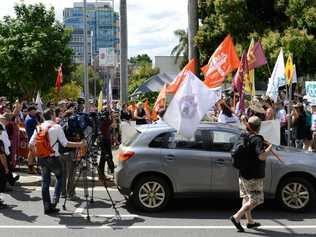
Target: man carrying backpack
251,164
45,144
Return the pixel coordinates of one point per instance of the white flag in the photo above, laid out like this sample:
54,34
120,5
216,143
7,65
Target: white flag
39,102
189,105
277,78
294,75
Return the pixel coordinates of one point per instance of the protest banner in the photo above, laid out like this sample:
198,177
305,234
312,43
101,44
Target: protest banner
310,87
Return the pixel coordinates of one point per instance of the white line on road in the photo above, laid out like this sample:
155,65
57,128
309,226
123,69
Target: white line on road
97,189
80,209
149,227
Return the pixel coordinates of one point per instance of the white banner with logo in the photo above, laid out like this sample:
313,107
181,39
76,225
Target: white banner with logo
310,87
106,57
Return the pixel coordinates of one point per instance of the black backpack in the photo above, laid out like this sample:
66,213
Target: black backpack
241,152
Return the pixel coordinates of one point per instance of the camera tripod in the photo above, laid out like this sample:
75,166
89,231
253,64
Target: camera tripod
84,165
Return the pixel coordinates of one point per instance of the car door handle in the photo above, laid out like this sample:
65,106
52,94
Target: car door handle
169,157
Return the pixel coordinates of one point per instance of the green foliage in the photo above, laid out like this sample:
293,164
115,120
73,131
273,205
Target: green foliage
140,59
151,96
140,75
32,46
70,91
77,77
290,24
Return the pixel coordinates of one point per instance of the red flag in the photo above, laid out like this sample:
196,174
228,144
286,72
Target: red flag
177,82
59,79
223,61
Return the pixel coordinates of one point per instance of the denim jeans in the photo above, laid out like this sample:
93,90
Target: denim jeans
50,165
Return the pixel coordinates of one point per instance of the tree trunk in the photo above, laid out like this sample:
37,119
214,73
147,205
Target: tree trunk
123,53
192,30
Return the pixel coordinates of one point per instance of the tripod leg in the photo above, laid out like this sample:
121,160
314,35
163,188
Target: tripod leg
117,213
86,191
93,181
75,184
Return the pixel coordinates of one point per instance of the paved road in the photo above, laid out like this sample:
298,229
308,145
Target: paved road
194,218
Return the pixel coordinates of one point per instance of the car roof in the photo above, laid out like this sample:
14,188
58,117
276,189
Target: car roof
164,127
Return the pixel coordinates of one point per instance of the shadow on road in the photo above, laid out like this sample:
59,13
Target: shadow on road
23,194
221,209
274,233
18,215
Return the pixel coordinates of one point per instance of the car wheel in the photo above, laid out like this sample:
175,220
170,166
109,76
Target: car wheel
296,194
151,194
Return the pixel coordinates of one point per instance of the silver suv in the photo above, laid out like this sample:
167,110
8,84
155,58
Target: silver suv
158,164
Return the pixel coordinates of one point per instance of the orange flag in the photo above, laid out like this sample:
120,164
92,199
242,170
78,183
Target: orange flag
176,83
161,99
223,61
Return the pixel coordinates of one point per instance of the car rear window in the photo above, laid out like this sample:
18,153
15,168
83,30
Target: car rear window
131,138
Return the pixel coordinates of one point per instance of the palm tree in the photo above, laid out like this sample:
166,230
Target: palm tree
182,48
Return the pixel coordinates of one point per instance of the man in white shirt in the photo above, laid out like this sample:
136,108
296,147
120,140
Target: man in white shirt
52,163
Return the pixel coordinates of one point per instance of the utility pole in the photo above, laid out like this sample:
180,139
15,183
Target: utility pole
193,28
123,53
85,57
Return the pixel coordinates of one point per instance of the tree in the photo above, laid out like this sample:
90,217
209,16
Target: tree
183,47
76,77
140,59
290,24
140,75
32,46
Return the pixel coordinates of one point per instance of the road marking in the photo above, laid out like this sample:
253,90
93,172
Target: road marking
148,227
97,189
80,209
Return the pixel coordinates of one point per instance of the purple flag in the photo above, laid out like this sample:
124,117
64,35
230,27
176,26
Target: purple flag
256,57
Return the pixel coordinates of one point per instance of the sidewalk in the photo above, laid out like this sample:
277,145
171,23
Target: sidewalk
35,180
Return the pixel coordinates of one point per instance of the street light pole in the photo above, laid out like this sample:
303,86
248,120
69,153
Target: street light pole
85,57
123,53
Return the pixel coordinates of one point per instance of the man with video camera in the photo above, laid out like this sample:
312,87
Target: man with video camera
45,144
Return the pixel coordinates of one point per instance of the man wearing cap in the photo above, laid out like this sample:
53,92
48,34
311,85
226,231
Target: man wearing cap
251,178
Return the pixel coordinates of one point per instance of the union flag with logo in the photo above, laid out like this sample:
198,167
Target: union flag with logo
223,61
177,82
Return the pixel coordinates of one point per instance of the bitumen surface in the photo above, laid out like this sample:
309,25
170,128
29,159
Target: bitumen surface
183,217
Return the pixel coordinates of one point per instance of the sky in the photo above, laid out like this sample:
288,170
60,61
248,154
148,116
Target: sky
151,23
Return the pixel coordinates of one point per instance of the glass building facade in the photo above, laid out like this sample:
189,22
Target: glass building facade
103,28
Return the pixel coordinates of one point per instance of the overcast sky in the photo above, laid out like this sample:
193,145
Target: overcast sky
151,23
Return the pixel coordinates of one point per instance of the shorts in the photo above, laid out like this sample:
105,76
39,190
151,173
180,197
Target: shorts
252,190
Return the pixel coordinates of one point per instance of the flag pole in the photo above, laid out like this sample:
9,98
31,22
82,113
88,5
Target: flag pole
289,112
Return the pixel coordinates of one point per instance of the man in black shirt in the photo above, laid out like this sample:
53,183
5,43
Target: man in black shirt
251,178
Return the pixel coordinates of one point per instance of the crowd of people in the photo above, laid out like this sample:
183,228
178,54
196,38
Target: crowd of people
20,121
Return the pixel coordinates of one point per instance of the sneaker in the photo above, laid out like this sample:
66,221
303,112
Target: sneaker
237,224
253,225
51,211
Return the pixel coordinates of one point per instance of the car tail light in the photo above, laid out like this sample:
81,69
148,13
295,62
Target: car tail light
125,155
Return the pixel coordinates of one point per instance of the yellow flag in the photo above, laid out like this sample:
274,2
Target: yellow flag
100,102
289,70
250,80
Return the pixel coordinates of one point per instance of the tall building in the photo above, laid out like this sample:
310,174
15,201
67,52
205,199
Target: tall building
103,32
103,28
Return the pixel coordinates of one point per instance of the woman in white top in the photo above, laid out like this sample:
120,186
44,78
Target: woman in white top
226,115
